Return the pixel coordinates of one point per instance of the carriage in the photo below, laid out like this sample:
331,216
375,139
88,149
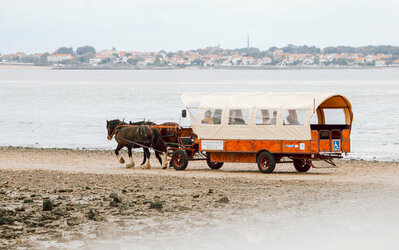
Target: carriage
263,128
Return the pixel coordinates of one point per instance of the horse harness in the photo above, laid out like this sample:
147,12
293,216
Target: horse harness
117,129
143,135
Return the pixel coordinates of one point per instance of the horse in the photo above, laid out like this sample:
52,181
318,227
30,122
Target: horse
135,137
169,133
168,130
146,151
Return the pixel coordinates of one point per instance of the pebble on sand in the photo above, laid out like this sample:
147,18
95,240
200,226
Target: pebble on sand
224,200
48,205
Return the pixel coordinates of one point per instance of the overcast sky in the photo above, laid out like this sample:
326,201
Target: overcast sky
152,25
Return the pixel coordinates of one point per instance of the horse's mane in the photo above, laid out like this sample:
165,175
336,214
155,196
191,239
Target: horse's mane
116,122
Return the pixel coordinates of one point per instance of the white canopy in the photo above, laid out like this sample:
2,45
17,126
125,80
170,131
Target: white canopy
308,102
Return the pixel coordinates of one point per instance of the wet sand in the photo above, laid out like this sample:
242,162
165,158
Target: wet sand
52,197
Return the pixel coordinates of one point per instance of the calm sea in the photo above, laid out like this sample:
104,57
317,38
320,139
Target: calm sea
68,109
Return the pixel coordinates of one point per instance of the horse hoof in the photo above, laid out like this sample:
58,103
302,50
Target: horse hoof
121,161
164,167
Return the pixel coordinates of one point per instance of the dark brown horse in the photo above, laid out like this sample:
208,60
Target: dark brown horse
169,132
136,136
146,150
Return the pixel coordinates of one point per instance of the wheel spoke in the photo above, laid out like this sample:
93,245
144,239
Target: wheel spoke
265,162
178,159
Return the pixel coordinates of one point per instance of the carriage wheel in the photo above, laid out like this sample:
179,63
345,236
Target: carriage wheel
213,165
301,166
179,160
266,162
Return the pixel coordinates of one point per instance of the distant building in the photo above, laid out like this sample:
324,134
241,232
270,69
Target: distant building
94,61
107,53
265,60
379,63
308,61
395,62
247,60
59,57
359,60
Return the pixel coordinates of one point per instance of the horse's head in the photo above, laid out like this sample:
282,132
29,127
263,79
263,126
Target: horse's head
111,127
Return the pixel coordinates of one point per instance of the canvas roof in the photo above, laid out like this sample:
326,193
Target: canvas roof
281,101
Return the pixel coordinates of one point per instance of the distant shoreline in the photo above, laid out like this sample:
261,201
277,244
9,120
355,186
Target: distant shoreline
223,68
34,67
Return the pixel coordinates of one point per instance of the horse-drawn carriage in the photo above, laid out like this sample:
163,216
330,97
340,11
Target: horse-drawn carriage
263,128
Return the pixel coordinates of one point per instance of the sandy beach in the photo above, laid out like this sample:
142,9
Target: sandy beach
52,197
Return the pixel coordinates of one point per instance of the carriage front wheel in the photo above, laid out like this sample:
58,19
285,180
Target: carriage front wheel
179,160
266,162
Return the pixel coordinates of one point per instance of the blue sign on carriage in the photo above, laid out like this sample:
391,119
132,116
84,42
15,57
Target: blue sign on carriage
336,145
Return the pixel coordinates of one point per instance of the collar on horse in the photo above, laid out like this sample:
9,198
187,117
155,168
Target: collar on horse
149,129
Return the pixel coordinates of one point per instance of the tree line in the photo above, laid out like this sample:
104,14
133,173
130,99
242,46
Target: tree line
257,53
85,53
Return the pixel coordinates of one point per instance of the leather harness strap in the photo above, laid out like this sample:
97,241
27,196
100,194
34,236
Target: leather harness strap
149,129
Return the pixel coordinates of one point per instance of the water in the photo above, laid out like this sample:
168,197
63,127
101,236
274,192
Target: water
68,109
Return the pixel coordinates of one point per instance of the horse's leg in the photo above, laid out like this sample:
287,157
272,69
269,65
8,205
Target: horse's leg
148,165
158,157
145,156
129,152
165,160
119,147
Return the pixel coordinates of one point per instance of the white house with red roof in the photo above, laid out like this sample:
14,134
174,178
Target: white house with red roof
59,57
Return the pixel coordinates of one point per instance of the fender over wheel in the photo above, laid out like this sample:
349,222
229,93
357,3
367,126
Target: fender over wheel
266,162
213,165
179,160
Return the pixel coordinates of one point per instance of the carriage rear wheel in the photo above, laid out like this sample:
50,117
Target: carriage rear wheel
213,165
301,166
266,162
179,160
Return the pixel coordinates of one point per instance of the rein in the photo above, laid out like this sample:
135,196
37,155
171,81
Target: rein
141,145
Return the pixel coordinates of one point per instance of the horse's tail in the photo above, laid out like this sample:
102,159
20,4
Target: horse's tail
157,142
